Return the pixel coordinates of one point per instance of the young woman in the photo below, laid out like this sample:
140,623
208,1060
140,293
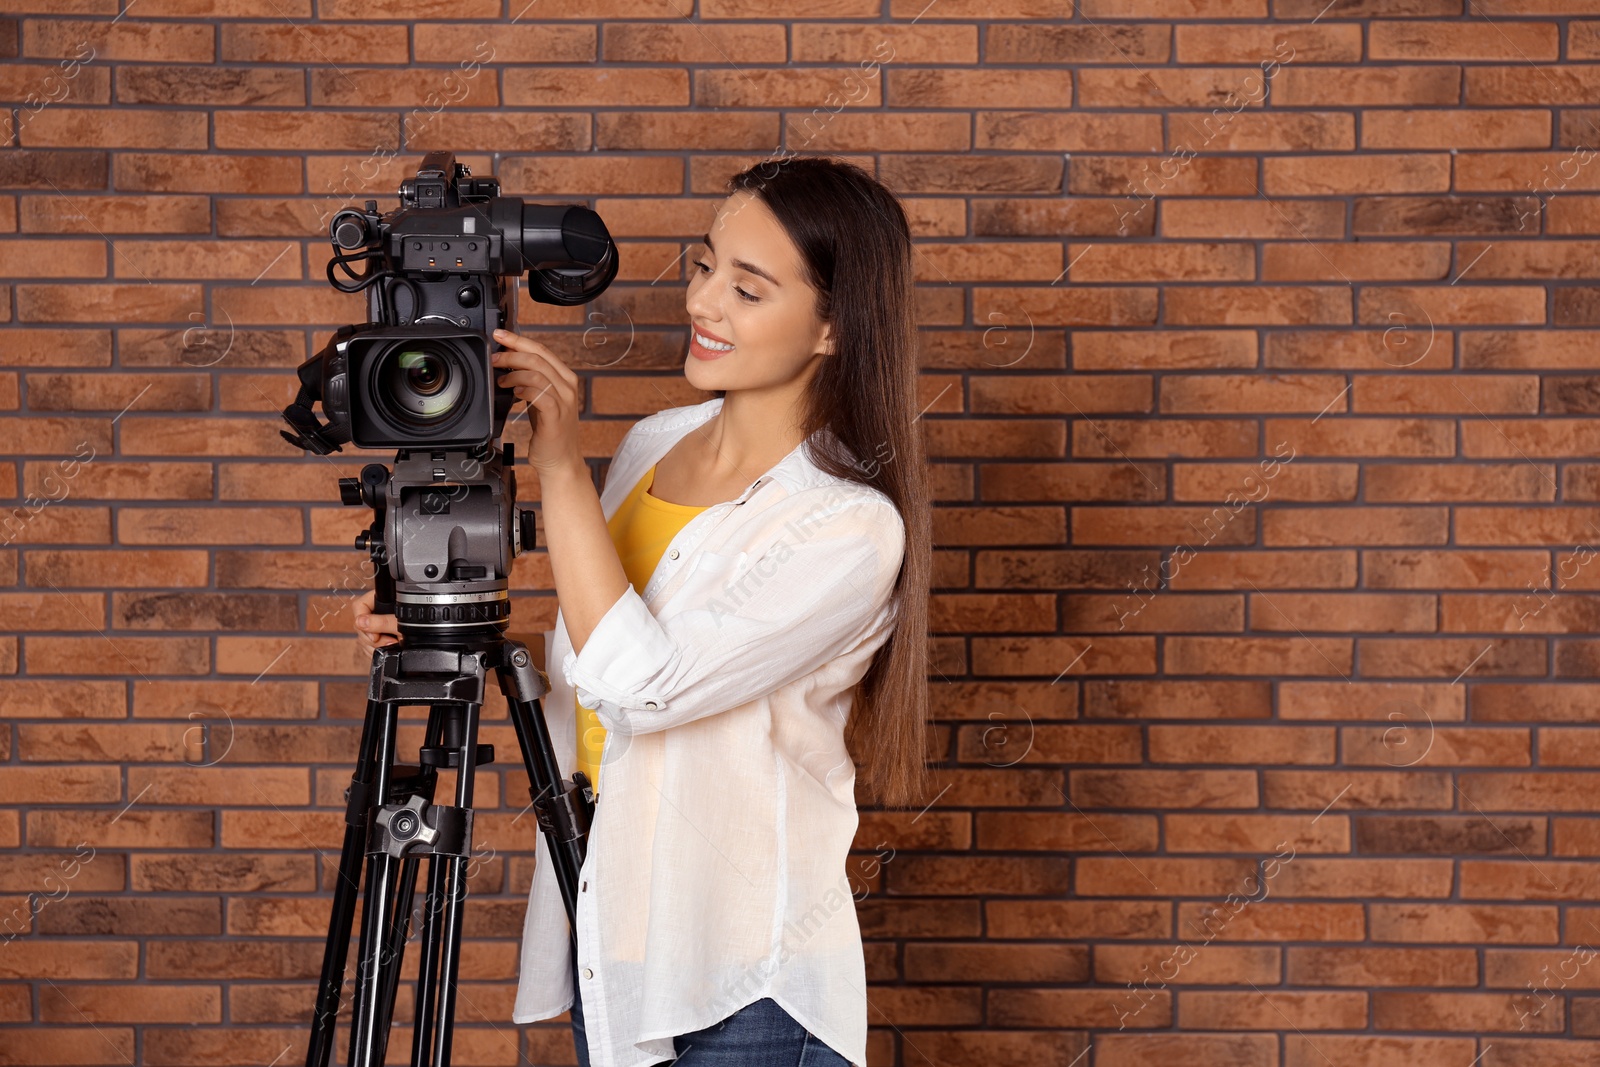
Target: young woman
742,620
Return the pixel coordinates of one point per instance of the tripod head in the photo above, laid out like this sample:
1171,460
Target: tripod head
445,530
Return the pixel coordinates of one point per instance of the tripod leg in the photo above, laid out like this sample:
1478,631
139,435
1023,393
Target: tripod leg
369,1029
400,930
428,966
346,884
423,1009
565,809
455,866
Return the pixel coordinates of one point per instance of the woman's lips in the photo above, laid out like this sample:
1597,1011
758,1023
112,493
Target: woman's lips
700,351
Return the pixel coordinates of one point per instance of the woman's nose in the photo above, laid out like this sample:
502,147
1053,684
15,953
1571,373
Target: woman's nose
699,305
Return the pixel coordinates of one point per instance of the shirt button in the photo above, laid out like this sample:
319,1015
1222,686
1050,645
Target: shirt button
651,704
588,972
583,886
673,554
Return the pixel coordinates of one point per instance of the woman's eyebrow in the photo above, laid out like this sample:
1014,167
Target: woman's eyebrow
742,265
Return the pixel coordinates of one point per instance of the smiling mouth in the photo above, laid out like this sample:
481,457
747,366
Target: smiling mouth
710,343
701,350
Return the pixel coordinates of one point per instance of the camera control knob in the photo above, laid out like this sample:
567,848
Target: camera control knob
350,491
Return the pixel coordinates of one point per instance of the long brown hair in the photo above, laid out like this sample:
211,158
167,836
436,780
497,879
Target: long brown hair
855,245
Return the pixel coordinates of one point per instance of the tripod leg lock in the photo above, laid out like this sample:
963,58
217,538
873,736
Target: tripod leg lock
355,802
417,827
568,814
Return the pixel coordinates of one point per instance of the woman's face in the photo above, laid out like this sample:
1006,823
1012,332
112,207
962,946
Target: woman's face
746,289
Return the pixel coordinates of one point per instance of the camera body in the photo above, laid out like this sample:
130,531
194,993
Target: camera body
417,373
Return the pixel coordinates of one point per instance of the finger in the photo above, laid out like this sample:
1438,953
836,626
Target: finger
382,642
558,365
540,392
527,384
541,361
528,353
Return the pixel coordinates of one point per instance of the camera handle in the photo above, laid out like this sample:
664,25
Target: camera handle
391,822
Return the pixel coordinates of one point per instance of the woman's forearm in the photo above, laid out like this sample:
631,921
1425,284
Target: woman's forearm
583,562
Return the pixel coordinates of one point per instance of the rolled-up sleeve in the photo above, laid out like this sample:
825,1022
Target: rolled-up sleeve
744,625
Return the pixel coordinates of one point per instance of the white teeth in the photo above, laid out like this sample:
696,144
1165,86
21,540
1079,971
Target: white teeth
706,342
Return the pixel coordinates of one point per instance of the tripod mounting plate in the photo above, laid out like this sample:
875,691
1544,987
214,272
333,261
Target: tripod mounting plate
437,674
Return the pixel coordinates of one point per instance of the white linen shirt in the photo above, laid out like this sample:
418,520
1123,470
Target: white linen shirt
715,874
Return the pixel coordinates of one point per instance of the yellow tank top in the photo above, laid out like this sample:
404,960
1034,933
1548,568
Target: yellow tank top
641,528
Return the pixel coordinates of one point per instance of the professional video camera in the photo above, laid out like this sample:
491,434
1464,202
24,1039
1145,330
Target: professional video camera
418,373
417,377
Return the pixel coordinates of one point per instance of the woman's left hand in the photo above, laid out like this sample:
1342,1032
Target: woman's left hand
551,389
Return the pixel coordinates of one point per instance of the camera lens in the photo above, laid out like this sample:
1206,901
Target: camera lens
420,382
425,373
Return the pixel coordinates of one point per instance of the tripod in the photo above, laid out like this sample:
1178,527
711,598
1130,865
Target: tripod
391,822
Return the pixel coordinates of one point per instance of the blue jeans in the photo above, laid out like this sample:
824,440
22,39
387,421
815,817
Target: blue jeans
757,1035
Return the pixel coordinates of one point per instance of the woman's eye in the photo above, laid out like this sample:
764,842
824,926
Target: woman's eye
747,296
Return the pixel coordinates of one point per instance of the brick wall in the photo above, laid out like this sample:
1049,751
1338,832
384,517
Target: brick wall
1260,426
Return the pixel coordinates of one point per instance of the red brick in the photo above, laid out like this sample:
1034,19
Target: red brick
956,962
1230,965
1098,918
1381,966
120,40
1270,834
1465,923
216,700
1200,1049
1241,744
1383,1051
1197,789
165,1003
71,1045
37,958
83,914
41,258
1268,1010
147,213
232,872
170,172
119,655
122,127
312,44
16,999
1161,877
76,784
1243,918
1080,1008
140,302
114,392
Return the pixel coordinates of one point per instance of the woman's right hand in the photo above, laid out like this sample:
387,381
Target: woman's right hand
374,631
